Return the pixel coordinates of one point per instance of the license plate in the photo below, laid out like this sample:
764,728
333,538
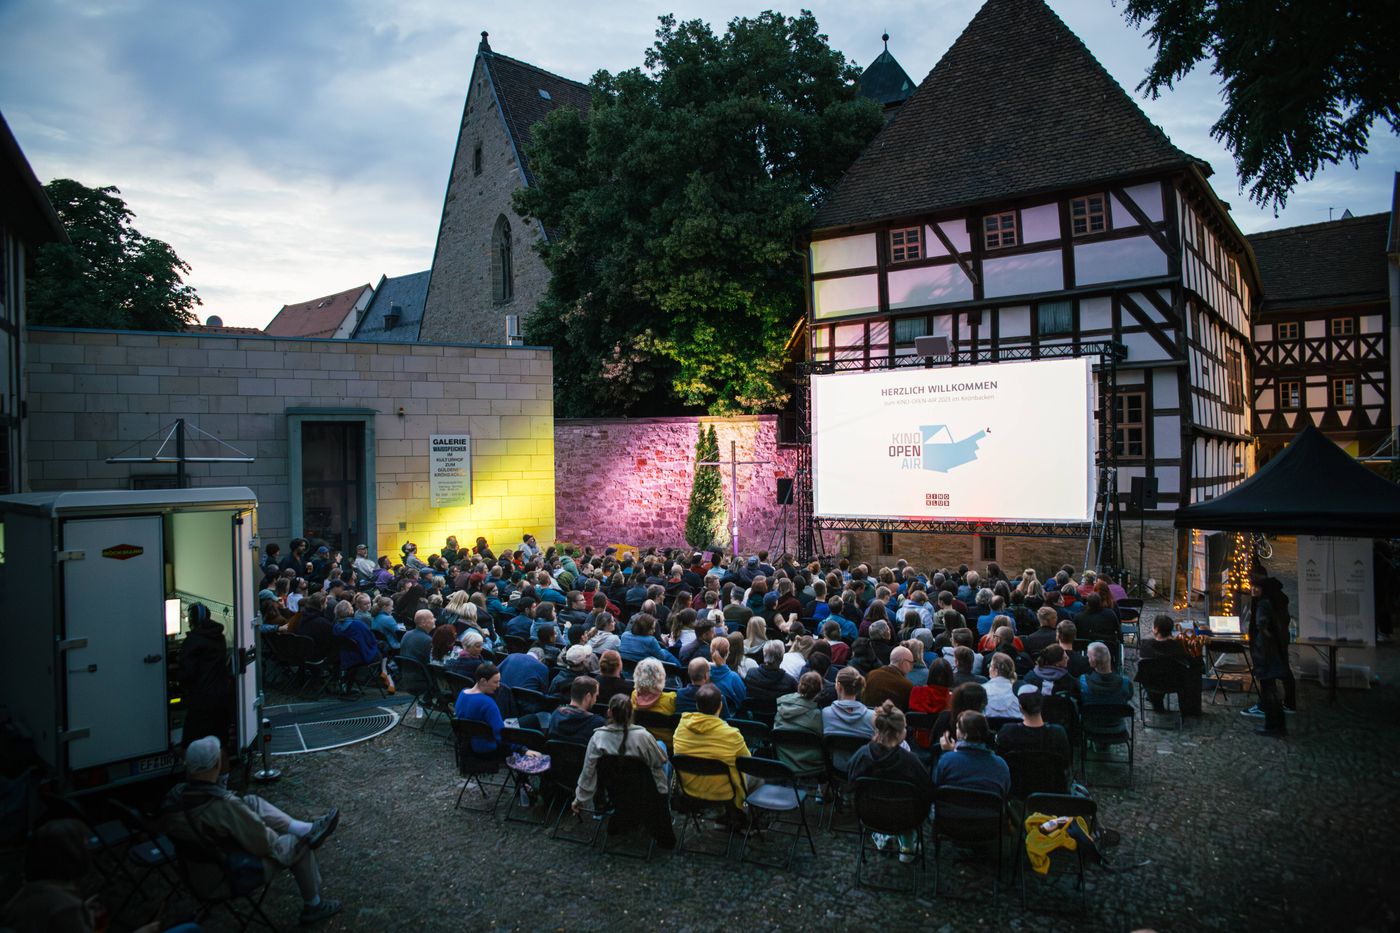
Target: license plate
153,763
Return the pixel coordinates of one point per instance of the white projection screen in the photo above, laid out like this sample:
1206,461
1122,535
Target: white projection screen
966,443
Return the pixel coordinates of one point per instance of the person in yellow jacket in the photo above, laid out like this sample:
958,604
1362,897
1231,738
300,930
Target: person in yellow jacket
704,735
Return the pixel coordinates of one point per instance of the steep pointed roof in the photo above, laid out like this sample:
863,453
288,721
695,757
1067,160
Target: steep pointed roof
885,81
527,94
1016,106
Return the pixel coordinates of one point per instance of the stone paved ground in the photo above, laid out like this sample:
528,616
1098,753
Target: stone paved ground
1242,833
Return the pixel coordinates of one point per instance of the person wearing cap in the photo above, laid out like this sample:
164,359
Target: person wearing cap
364,566
201,814
576,665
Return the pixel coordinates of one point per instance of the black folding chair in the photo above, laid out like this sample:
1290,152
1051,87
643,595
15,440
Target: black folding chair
1036,773
921,724
838,750
532,701
309,661
1059,805
625,788
757,735
515,644
1108,725
245,909
968,817
1059,709
1163,677
352,679
415,682
475,767
778,794
1215,649
891,808
151,854
560,783
694,809
661,725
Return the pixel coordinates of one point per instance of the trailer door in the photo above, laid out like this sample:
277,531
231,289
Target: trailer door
245,613
114,633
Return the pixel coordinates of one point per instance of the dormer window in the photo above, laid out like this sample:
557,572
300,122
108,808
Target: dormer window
999,230
1088,215
906,244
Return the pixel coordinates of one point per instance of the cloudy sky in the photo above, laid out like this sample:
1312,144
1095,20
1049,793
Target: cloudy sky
289,150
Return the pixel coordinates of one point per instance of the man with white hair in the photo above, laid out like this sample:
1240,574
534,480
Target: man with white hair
765,683
1102,685
202,815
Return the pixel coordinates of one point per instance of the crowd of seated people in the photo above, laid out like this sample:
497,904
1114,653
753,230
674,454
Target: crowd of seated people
692,645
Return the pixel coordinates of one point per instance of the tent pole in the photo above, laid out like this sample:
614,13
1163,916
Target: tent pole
1176,539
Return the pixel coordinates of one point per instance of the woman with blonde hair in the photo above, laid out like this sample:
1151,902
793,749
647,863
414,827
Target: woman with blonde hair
1029,585
755,636
795,660
649,693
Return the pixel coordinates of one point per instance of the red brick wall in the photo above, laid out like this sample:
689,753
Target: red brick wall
627,480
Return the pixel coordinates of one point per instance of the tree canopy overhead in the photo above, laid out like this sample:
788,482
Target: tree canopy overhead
675,211
1304,79
108,274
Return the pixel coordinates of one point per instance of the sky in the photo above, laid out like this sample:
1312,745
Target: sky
289,150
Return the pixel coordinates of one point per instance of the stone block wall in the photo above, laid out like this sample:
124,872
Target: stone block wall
627,480
93,394
460,305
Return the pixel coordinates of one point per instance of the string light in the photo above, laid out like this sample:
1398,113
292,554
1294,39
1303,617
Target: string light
1236,575
1183,599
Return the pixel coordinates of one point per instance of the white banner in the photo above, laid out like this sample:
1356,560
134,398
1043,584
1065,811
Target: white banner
449,470
1336,601
993,442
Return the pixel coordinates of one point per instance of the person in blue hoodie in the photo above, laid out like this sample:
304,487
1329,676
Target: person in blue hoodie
731,685
1102,685
698,671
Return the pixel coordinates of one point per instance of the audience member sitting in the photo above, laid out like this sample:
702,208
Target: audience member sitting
963,637
885,757
964,698
417,645
522,625
577,721
469,659
620,737
610,679
698,673
801,711
704,734
765,684
1001,689
881,640
891,682
1103,685
918,651
724,677
933,697
527,670
577,663
1032,734
794,660
202,813
650,693
1036,641
699,643
1162,644
848,715
478,703
1004,641
1066,634
1051,673
964,663
602,637
383,624
1097,622
640,642
969,763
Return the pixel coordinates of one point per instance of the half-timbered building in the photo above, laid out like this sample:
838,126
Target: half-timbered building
1322,334
1022,205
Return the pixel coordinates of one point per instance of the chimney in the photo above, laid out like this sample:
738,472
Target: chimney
392,317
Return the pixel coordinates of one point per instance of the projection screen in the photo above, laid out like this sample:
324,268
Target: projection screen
993,442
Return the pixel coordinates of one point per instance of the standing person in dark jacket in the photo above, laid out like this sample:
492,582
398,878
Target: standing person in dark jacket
884,758
1268,643
206,679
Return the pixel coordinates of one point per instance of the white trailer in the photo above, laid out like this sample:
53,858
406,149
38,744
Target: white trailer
95,588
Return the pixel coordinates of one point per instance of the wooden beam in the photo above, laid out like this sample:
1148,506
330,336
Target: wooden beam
953,251
1146,222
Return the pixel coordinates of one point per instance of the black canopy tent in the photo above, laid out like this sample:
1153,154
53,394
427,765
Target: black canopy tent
1311,487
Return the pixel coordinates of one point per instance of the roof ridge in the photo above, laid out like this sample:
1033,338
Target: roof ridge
1340,221
582,85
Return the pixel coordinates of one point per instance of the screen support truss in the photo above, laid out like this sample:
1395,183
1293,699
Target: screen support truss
1103,535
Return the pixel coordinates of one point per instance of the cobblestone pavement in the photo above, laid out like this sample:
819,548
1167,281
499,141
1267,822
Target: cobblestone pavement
1241,832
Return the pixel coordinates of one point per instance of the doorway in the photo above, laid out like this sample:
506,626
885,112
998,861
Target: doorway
332,483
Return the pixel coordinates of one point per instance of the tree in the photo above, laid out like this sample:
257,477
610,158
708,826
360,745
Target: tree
675,211
108,274
1304,79
705,522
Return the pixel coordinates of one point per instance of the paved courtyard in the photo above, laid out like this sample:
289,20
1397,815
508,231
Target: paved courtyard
1238,832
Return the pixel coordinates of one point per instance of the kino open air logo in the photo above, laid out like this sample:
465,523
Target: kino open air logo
934,448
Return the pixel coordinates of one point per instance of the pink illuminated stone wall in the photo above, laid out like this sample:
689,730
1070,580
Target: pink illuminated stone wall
627,480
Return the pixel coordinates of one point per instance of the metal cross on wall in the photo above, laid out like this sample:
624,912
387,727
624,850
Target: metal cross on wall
733,463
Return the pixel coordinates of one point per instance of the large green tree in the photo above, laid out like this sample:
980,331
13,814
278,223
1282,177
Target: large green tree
675,211
108,274
1304,79
705,521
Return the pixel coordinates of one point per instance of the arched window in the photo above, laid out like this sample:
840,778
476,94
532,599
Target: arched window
502,268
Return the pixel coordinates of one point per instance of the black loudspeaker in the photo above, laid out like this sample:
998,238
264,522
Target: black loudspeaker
784,490
1142,496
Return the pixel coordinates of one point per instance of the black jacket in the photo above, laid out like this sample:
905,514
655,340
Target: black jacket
205,677
766,684
891,764
569,724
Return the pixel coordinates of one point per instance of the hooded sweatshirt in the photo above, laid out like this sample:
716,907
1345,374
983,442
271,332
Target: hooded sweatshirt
798,713
730,684
205,677
878,760
706,736
769,683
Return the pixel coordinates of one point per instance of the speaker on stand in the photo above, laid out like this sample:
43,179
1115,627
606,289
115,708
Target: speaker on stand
1142,496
